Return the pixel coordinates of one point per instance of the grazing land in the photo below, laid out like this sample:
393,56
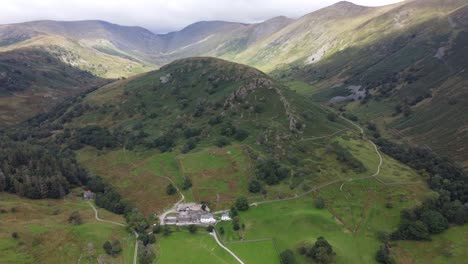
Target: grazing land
44,234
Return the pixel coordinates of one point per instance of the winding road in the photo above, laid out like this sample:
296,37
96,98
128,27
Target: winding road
96,215
215,235
374,175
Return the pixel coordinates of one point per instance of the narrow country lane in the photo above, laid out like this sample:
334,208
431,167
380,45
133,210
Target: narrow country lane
135,253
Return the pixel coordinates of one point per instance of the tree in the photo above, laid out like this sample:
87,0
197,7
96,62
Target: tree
107,246
241,134
242,203
287,257
187,183
255,186
319,202
222,141
435,221
233,212
75,218
166,230
170,189
145,254
14,235
383,236
192,229
411,230
235,226
116,247
210,228
157,228
221,230
321,252
383,256
332,117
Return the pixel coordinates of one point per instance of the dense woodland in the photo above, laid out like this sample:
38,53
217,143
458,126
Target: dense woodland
445,178
38,172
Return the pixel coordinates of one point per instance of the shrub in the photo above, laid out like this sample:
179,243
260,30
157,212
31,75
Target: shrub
192,229
222,141
187,183
254,186
383,256
287,257
242,204
319,202
241,134
435,221
170,189
75,218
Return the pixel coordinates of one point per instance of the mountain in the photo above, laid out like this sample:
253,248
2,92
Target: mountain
104,49
32,80
416,63
410,66
187,110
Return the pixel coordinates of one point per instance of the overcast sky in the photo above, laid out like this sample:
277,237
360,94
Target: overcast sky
162,15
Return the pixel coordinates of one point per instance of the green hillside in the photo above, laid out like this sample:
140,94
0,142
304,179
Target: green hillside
32,80
414,80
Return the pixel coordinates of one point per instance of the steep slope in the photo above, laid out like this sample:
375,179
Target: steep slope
196,33
105,49
32,80
164,125
413,83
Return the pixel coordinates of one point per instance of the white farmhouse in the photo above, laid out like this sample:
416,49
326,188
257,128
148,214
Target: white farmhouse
207,219
225,217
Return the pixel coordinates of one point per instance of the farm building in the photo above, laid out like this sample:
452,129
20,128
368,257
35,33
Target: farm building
88,195
225,217
207,219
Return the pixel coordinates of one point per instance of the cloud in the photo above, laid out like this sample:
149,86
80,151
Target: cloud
162,15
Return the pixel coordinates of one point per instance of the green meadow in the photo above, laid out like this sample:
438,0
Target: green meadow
45,236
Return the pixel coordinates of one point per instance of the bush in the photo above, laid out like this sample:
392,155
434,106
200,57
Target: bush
112,248
383,256
187,183
436,223
332,117
14,235
271,172
170,189
192,229
383,236
411,230
242,204
319,202
189,145
287,257
241,134
95,136
222,141
75,218
255,186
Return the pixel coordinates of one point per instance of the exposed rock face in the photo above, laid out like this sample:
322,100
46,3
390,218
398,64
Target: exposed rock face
263,83
165,79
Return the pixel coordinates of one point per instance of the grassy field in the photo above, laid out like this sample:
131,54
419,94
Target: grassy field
350,222
218,175
355,211
260,251
183,247
448,247
45,236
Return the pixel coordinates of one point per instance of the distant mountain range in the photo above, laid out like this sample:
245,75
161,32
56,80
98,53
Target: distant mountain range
409,57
